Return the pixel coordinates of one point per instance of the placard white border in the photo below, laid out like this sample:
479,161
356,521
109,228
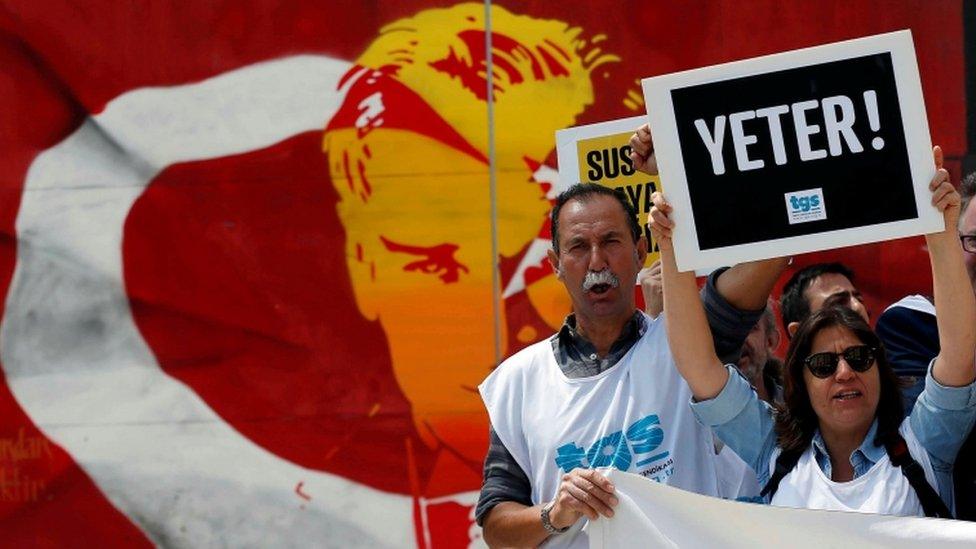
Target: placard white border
657,97
567,155
566,140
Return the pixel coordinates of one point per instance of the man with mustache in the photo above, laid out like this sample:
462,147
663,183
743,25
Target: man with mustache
603,391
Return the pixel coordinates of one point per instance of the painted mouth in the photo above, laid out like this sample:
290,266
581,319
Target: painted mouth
848,395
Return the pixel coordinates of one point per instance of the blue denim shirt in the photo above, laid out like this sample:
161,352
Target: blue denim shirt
941,420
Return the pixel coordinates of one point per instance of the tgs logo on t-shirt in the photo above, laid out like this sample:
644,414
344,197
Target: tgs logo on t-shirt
805,206
619,449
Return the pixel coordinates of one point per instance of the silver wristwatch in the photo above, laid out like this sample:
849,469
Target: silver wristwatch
547,524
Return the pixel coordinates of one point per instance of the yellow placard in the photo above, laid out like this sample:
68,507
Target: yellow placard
606,160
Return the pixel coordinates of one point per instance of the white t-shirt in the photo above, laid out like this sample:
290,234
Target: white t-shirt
736,480
883,489
634,417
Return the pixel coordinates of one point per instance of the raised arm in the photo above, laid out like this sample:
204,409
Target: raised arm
954,300
689,336
745,286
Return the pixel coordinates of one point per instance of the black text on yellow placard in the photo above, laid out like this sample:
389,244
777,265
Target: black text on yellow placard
606,160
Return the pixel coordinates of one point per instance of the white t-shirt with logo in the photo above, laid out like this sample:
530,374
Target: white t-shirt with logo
634,416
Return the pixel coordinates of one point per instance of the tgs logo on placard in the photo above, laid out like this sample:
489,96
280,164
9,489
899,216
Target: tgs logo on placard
804,206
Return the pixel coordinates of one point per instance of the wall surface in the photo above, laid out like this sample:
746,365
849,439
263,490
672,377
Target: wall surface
248,249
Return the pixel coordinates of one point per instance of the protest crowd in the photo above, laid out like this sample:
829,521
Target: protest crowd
850,419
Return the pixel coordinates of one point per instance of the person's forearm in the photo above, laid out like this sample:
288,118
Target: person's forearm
730,326
689,336
747,286
956,309
511,524
750,431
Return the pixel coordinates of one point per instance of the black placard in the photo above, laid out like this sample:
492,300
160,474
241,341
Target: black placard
858,188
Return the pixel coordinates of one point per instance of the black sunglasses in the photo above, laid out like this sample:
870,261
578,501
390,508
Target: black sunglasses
823,365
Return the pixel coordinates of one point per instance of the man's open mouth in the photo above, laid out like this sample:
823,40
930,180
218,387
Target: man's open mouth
599,282
600,288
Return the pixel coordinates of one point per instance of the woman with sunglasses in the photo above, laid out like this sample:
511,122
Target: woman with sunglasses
839,439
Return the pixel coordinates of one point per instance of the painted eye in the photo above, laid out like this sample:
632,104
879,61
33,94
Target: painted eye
435,260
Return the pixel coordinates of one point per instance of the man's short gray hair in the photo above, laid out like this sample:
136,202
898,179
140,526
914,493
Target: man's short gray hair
967,188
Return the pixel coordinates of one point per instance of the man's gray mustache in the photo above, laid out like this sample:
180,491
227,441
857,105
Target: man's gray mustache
594,278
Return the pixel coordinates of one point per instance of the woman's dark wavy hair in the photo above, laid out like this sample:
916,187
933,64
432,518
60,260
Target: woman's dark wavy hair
796,420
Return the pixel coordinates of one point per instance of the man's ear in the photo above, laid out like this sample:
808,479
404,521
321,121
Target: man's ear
554,261
641,253
791,328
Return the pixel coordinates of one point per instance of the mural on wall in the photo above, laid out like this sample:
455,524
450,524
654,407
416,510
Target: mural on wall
408,156
250,271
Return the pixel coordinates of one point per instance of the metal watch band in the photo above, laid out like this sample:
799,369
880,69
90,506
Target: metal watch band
547,524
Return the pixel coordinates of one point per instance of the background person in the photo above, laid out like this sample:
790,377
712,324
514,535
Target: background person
758,362
816,286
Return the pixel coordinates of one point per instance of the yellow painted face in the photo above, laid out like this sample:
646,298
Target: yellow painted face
410,168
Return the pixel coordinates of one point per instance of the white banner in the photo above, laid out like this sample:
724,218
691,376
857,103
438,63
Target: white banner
654,515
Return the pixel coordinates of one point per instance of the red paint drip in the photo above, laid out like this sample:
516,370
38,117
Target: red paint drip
303,495
362,176
345,170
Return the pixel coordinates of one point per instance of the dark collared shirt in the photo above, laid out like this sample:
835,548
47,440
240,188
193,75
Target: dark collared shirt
504,480
577,357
